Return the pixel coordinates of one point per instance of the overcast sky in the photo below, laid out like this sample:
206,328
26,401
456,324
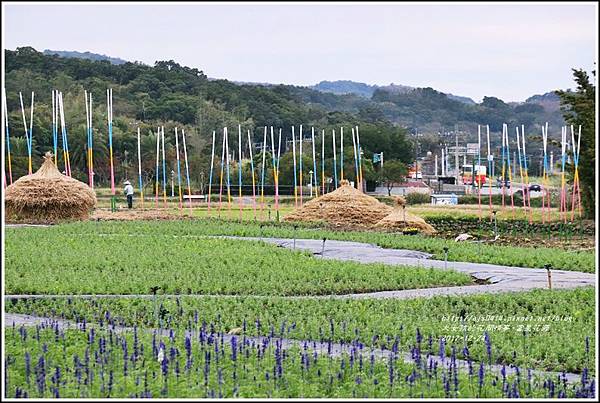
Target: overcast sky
510,51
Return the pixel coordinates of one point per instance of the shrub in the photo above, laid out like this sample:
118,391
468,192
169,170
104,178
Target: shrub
417,198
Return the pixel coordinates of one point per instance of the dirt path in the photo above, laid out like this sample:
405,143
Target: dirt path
335,349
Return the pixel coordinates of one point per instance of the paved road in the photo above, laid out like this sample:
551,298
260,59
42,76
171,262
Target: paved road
500,278
335,349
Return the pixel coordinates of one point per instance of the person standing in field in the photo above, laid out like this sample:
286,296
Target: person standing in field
129,193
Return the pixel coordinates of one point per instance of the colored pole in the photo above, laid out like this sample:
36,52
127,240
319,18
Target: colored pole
110,145
335,179
526,174
7,137
489,174
210,176
277,170
357,175
91,145
157,164
55,124
323,160
359,159
164,164
478,175
545,193
341,154
221,176
563,198
300,138
26,132
262,175
576,187
503,183
64,135
252,171
140,168
87,127
294,155
178,169
228,176
521,169
315,163
187,171
512,199
239,166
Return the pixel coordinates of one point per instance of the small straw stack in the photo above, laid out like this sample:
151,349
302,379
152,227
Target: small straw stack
48,196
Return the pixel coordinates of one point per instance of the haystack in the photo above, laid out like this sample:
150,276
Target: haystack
345,207
400,219
48,196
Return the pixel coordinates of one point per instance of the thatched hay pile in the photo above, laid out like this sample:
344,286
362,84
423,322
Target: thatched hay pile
345,207
400,219
47,196
135,215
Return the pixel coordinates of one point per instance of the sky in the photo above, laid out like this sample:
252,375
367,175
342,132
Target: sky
507,50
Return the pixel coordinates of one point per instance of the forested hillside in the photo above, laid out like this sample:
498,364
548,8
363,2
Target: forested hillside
172,95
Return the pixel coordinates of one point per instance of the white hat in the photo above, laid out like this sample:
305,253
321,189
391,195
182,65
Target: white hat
126,183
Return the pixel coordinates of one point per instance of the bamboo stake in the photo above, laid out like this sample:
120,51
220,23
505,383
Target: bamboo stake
252,171
334,162
5,106
239,165
210,177
521,169
489,174
545,193
178,171
512,199
27,134
341,153
157,164
357,175
300,139
477,174
187,171
139,150
277,187
228,176
262,175
64,135
503,183
360,171
314,163
221,176
563,196
323,160
526,174
294,156
576,187
55,124
91,146
110,145
164,161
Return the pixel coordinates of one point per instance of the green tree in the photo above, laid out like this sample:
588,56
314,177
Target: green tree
392,173
579,109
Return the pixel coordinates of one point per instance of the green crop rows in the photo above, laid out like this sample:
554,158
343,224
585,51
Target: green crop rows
569,315
47,261
465,252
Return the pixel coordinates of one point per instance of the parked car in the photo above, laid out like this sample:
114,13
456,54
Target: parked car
535,187
506,183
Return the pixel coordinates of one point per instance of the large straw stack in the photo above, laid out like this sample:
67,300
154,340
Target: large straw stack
48,196
399,219
346,207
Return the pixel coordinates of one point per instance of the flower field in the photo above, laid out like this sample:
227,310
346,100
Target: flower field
130,264
465,252
246,323
101,361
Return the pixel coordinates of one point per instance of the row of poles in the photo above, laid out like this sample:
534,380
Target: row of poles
58,125
275,150
524,175
58,122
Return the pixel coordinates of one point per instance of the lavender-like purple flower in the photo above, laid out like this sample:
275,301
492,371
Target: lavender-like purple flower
27,366
40,371
481,375
488,346
234,348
